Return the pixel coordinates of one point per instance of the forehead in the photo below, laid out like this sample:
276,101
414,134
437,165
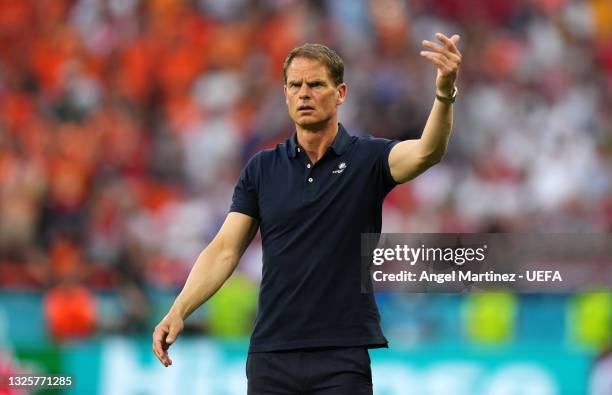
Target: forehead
306,68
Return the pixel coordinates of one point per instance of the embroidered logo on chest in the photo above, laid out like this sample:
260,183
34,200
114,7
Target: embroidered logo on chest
340,168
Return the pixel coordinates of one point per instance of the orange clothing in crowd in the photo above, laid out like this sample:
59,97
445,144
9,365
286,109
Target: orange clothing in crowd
70,311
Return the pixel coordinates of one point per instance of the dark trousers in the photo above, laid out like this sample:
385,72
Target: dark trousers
336,371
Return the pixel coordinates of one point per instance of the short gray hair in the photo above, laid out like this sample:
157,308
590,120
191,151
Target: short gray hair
323,54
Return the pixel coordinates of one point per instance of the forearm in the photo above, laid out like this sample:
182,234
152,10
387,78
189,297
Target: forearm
447,58
211,269
437,131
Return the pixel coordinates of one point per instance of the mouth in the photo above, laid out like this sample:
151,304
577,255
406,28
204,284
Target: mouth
305,109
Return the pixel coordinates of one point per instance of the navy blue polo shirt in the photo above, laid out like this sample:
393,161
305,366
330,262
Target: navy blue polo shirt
311,218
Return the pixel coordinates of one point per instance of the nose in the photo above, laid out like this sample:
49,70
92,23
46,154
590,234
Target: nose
304,92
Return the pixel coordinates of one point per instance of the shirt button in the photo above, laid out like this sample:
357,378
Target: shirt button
310,179
308,165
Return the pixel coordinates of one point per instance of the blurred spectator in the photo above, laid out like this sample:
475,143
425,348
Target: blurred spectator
130,287
591,319
232,309
124,124
490,317
70,311
69,306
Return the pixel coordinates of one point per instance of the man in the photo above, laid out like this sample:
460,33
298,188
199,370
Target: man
312,198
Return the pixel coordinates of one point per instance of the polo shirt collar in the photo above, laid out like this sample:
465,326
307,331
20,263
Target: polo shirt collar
339,145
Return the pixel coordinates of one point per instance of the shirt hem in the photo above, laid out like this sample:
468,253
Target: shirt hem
377,342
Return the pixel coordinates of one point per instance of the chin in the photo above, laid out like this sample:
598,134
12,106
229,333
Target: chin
311,126
310,122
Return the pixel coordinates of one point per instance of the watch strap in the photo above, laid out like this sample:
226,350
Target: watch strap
448,99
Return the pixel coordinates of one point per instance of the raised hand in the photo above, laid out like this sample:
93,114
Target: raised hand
447,58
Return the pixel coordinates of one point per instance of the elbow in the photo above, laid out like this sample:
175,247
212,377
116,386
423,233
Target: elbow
229,258
437,155
433,159
221,253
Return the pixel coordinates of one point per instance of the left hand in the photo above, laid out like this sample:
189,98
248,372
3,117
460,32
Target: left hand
447,59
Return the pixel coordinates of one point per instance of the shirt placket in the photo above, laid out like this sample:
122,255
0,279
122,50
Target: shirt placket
313,174
309,179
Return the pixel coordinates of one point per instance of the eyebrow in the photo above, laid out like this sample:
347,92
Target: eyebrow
315,81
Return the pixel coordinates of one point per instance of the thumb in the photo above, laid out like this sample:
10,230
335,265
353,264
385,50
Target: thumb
172,334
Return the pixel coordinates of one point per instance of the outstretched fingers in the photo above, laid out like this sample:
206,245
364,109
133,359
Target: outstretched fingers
441,61
450,43
434,47
445,56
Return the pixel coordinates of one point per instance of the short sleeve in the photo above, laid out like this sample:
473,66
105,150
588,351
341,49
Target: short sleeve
380,148
245,198
384,164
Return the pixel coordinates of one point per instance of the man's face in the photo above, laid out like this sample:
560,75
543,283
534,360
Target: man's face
312,98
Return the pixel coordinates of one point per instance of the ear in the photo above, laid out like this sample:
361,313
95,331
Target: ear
341,93
285,93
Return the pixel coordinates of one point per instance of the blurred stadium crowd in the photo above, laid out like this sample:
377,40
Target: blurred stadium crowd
124,125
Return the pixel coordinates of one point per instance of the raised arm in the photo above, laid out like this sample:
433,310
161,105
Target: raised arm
214,265
410,158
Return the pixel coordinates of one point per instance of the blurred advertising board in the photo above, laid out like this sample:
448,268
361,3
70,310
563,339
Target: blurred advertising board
125,366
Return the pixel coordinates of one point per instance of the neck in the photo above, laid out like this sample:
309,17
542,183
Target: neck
316,141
